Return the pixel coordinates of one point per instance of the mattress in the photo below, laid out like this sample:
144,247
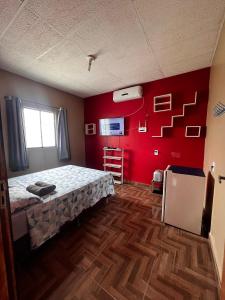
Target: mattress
77,188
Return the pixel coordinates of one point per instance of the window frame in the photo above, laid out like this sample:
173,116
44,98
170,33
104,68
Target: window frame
40,109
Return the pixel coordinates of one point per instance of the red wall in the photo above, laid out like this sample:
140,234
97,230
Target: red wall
173,148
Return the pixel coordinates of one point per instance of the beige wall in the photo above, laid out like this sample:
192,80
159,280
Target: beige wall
39,158
215,150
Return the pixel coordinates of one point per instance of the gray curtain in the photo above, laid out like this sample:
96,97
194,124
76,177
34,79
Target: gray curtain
63,145
18,159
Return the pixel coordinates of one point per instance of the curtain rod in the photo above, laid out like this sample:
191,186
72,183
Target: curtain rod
40,104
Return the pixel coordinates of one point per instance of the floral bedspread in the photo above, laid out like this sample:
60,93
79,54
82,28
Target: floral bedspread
77,188
19,197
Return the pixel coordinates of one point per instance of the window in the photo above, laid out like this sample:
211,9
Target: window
39,128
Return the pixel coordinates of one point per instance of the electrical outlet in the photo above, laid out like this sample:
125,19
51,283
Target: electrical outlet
212,167
156,152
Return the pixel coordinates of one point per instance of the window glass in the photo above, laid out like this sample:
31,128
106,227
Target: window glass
48,129
39,128
32,128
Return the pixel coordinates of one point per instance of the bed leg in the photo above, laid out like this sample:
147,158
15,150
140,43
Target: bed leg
107,200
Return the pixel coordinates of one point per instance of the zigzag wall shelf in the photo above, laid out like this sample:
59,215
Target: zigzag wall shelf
177,116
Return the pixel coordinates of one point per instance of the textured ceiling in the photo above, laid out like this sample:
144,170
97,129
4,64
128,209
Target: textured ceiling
135,40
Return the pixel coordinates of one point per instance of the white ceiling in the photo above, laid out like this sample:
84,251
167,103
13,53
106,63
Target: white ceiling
135,40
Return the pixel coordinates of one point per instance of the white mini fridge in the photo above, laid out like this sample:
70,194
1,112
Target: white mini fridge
183,198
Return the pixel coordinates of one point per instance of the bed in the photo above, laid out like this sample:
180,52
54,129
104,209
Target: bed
77,189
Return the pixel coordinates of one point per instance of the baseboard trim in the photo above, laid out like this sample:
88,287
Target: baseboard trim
215,257
138,183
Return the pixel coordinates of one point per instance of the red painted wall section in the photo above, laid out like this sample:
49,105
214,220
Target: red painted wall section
174,148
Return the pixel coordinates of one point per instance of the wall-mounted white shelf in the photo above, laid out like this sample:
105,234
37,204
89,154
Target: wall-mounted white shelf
112,166
193,131
177,116
117,181
112,149
116,155
113,157
162,103
116,174
90,129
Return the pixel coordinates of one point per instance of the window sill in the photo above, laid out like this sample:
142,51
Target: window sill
50,147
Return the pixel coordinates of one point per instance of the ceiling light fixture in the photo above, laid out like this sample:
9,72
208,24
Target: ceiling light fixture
90,58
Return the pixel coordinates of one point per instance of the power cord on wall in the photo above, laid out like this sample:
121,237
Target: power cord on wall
133,113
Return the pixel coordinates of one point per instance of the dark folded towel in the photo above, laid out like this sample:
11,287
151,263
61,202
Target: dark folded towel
41,190
42,184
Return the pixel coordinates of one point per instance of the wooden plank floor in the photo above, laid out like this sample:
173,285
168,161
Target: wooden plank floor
121,251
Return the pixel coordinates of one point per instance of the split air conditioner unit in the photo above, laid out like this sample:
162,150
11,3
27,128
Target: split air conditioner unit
134,92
